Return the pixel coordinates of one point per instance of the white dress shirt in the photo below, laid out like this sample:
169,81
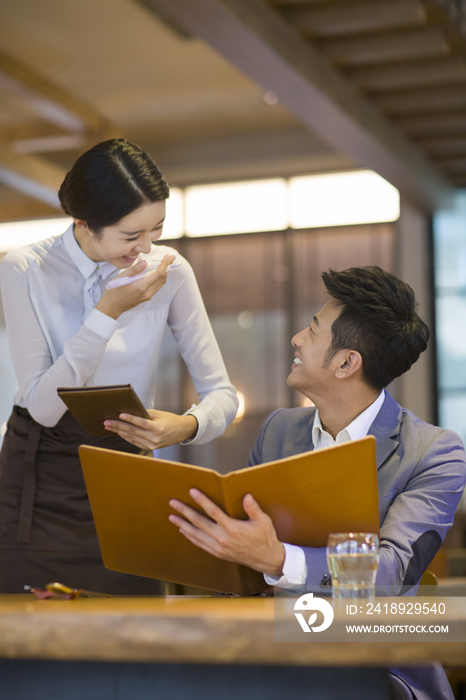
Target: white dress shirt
295,567
58,338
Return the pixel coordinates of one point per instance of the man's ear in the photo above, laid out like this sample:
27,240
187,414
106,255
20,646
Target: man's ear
350,362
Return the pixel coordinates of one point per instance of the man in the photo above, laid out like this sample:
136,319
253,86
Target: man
365,336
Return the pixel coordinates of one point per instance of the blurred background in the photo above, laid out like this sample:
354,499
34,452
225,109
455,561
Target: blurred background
296,135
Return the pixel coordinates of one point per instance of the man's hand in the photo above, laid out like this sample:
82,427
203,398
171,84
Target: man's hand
163,429
251,542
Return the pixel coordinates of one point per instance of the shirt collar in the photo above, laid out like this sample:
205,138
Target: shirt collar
357,429
85,265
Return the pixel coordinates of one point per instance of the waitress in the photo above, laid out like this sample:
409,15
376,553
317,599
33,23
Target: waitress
67,327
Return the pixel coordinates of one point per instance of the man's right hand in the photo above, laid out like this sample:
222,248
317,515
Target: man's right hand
116,301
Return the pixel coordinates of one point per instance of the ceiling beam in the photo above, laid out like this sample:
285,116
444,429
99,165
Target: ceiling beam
266,48
46,99
284,3
410,44
330,20
22,209
438,99
33,176
433,124
64,142
34,130
429,72
70,124
445,145
278,153
454,164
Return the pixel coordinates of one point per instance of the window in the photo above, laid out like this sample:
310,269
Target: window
450,290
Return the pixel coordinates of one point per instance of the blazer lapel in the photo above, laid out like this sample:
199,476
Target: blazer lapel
302,439
386,429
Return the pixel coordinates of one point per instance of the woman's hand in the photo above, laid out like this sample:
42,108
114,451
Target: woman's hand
116,301
163,429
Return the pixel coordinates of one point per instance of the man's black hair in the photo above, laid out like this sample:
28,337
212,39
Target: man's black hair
378,318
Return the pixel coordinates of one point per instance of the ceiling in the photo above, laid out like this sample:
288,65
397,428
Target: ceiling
227,89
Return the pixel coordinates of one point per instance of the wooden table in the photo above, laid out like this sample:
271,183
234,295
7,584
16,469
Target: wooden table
189,648
452,586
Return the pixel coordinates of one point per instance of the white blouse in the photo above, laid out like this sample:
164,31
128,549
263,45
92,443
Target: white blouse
58,338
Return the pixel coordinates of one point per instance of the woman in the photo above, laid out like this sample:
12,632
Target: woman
68,327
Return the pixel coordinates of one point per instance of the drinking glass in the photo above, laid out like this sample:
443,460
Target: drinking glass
353,558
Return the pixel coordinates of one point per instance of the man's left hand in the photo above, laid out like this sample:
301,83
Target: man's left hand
251,542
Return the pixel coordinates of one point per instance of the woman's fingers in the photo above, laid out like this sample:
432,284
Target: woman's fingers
161,430
135,269
126,295
158,277
138,431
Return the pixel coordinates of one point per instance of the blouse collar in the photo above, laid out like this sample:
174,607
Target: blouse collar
85,265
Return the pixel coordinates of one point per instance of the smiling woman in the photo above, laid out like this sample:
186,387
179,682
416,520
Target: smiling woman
123,242
68,326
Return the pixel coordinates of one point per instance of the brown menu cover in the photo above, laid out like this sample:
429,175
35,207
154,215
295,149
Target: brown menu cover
307,496
91,405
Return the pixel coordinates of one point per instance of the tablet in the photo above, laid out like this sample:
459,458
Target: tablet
92,405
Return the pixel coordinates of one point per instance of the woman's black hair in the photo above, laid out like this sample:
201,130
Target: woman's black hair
108,182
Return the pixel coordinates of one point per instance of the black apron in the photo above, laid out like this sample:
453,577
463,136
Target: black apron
46,529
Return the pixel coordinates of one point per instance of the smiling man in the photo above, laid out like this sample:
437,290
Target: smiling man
366,335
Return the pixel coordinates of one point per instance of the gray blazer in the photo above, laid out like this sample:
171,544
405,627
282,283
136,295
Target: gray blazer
421,475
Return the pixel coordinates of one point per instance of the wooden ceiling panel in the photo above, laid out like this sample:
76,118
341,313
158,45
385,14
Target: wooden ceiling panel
409,75
373,83
29,130
35,177
72,124
15,113
386,47
456,165
408,58
445,145
343,18
13,207
257,40
46,99
439,99
434,124
286,3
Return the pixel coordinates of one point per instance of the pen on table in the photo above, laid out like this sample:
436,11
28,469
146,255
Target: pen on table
59,590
